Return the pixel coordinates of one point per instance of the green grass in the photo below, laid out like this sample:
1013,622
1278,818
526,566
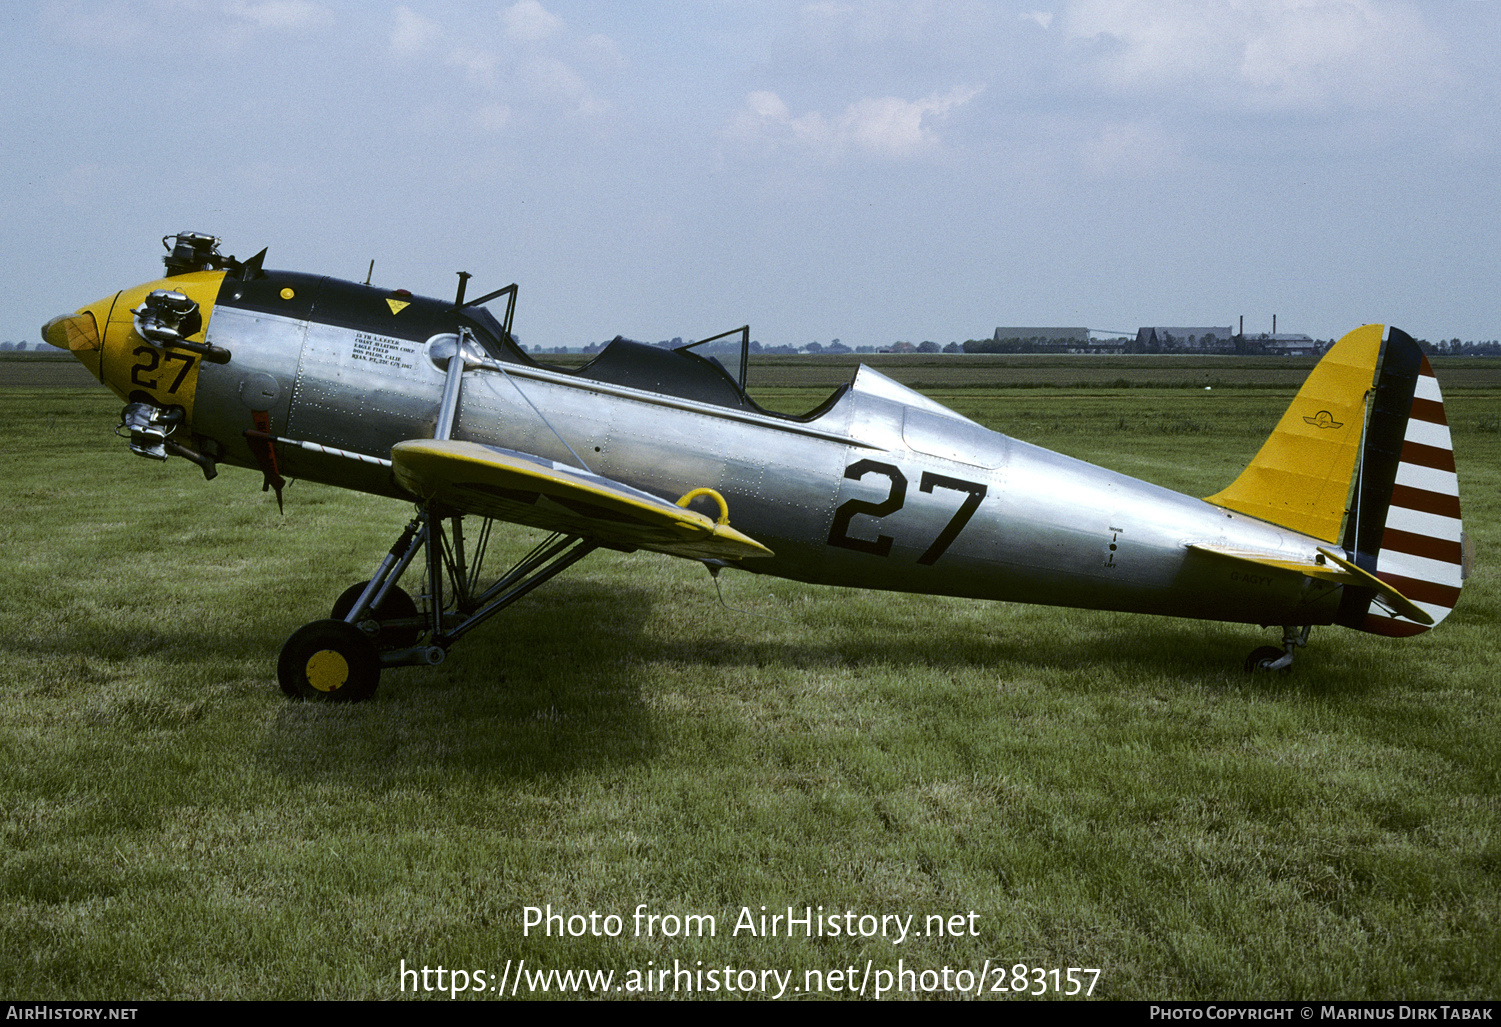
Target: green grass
1102,790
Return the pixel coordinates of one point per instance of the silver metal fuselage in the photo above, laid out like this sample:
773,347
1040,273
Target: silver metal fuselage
884,489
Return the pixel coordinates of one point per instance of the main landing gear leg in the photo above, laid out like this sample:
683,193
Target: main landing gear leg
376,624
1270,658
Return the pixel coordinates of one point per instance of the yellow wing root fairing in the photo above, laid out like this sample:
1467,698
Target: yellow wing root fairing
523,489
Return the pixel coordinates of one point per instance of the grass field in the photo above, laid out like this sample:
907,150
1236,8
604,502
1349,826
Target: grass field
1100,791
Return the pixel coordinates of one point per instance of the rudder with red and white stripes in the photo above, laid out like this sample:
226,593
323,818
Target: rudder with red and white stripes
1404,524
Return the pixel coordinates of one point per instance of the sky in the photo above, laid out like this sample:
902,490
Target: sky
867,171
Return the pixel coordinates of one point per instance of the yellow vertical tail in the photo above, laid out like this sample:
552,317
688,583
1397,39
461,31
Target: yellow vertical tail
1302,477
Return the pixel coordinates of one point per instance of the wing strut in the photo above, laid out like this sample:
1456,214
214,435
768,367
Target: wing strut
467,355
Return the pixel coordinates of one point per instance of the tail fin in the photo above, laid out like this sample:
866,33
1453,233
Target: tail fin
1301,478
1363,457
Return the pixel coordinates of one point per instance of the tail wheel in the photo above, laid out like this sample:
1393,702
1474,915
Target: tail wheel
329,661
396,606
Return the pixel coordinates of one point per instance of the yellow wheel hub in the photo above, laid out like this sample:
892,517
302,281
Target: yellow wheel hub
327,670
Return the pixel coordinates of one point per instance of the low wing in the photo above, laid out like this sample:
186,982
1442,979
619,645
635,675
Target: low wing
539,493
1333,568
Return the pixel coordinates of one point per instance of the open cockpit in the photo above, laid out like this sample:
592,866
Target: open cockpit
680,372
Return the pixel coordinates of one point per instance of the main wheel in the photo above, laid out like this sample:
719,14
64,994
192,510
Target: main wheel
329,661
396,606
1262,658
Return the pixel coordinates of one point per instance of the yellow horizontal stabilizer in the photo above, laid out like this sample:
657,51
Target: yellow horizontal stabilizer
1340,572
1400,603
540,493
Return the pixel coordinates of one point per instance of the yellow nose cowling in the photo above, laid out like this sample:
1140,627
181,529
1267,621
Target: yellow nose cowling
104,337
79,333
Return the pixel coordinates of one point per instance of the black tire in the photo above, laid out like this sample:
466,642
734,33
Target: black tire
329,661
1262,658
397,606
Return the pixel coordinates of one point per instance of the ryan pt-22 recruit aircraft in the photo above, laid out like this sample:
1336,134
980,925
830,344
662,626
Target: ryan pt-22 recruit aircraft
1348,515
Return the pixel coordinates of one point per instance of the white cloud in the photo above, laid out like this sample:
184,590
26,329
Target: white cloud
529,22
557,82
1043,18
280,15
882,23
896,127
194,24
1309,55
886,126
478,65
554,78
764,119
528,69
413,33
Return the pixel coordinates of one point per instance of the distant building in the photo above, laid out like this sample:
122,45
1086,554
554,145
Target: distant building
1175,340
1286,344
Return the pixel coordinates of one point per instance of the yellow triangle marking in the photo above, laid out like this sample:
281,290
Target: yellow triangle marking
397,306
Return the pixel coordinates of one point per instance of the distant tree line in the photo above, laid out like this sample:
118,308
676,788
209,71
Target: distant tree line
1033,344
1238,345
1456,348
